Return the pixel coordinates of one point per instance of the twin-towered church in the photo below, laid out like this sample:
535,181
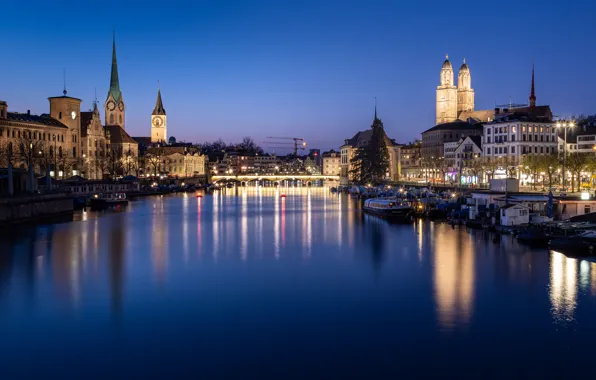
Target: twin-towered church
457,102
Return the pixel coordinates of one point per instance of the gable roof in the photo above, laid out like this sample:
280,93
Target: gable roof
119,135
363,137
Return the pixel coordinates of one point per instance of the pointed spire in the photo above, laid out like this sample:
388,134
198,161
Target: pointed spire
159,109
532,92
376,108
114,81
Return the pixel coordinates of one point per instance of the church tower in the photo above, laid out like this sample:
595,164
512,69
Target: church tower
114,105
465,93
159,121
446,95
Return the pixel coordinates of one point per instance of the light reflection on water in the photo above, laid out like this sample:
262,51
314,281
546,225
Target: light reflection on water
245,265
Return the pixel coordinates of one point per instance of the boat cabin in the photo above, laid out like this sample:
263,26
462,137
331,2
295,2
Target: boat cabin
514,215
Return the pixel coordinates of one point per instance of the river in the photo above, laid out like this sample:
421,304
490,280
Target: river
246,284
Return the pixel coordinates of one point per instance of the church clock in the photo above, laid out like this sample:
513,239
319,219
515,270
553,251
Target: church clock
111,105
121,106
157,122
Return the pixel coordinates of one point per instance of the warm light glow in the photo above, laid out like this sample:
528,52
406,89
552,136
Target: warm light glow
585,196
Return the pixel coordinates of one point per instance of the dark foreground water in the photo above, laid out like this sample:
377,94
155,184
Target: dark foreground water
245,285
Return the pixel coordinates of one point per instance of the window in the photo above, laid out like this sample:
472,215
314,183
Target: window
488,140
547,150
74,152
488,151
587,209
547,129
505,129
505,138
60,152
523,129
541,137
505,150
512,137
535,137
112,119
529,137
541,129
535,149
512,150
523,137
513,129
488,131
60,115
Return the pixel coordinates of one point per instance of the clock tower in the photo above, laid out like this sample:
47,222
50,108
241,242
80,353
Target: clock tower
158,121
114,105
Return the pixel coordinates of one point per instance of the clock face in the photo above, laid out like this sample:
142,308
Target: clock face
157,122
111,105
73,114
121,106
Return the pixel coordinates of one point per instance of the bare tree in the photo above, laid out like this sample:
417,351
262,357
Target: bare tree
576,163
154,158
129,162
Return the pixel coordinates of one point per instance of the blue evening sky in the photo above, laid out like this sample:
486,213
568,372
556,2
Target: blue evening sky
295,68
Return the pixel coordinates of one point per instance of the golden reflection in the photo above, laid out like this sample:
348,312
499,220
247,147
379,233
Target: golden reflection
244,226
584,275
283,222
199,239
159,235
340,220
276,229
216,211
454,276
563,286
185,217
593,278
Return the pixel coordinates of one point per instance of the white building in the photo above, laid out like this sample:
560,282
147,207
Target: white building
518,132
331,162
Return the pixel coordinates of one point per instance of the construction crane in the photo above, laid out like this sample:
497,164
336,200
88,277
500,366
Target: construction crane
298,143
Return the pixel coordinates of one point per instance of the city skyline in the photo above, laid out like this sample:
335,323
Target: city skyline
272,69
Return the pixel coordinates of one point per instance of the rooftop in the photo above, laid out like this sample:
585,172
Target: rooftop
42,120
457,125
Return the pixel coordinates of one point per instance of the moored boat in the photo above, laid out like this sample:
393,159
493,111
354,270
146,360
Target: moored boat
390,208
535,237
103,201
582,244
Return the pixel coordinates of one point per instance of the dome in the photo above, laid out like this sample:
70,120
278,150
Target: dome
447,64
464,66
172,140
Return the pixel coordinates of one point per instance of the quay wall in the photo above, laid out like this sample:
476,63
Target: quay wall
32,208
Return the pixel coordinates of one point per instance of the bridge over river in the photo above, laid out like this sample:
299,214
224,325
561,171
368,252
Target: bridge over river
307,179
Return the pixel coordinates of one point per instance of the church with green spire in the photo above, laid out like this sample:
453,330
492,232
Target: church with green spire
114,105
123,148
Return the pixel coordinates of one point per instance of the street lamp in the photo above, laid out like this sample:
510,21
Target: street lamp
565,125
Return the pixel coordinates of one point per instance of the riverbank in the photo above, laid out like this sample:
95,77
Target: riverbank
34,208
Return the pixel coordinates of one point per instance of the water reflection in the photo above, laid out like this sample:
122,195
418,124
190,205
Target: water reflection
563,286
454,277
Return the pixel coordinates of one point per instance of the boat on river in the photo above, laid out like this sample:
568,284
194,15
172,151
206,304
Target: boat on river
534,236
582,244
102,201
392,208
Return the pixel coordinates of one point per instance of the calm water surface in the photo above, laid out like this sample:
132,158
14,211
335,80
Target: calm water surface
247,285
